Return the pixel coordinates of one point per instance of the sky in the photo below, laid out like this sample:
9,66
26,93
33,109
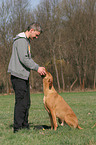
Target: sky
34,3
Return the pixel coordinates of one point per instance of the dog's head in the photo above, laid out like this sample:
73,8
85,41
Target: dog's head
48,79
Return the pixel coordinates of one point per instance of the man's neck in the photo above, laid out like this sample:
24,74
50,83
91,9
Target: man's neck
27,34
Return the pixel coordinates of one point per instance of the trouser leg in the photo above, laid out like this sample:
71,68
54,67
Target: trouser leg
22,102
27,104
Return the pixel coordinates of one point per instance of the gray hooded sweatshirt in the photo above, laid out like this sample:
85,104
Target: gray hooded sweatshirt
21,62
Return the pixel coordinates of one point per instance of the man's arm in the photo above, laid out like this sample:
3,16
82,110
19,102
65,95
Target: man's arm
23,55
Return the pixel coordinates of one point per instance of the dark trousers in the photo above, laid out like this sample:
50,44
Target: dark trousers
22,102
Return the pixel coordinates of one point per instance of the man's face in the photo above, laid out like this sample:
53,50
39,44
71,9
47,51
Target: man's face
34,34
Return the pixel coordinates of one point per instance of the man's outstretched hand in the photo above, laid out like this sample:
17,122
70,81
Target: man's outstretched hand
41,71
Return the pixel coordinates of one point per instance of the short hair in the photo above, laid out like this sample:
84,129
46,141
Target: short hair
36,26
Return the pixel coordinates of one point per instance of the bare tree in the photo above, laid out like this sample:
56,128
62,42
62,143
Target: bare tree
67,45
12,19
80,36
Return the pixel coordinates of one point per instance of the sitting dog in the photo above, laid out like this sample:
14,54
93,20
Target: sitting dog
56,106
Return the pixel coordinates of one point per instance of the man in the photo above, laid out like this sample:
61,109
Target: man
19,66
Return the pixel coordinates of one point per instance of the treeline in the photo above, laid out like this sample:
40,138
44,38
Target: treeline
67,46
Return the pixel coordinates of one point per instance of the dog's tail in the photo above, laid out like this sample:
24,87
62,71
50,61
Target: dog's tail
79,127
94,125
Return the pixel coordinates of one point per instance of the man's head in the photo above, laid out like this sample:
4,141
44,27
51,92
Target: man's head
33,30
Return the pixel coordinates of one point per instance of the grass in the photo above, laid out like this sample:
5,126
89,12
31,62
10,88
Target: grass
82,103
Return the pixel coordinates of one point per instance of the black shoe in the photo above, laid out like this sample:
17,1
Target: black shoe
26,127
16,130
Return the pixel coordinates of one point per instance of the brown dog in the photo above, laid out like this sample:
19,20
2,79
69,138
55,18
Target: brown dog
56,106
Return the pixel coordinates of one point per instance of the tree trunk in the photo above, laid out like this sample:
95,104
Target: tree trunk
63,82
31,80
95,79
57,76
84,79
60,54
73,84
80,81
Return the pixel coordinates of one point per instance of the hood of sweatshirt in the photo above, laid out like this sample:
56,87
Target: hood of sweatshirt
20,35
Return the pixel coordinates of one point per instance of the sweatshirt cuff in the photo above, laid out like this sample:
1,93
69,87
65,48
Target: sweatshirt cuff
37,66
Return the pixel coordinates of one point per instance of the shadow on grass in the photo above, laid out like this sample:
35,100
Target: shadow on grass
38,127
11,125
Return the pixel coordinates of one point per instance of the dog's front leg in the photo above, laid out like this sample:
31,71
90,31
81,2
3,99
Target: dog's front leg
45,105
51,120
53,115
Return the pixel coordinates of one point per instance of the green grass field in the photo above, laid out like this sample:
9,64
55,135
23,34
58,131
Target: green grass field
82,103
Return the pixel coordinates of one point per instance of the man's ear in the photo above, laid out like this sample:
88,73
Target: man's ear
31,30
